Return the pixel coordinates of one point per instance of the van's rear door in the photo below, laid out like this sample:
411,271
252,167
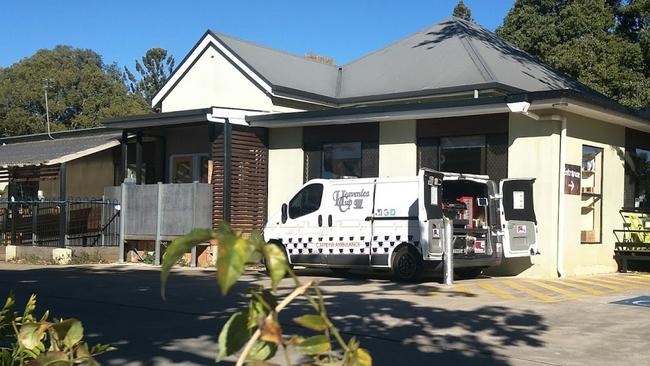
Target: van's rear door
518,221
430,212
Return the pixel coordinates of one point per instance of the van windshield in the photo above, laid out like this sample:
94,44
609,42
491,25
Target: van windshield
306,201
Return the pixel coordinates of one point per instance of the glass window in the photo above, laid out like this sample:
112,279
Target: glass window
189,169
639,173
341,160
465,154
591,194
306,201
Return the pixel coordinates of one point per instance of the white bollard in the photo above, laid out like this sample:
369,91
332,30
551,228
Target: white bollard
448,252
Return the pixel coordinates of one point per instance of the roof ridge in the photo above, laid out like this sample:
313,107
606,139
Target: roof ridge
393,43
478,60
287,53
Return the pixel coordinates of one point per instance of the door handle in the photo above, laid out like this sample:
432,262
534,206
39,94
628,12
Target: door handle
329,220
320,220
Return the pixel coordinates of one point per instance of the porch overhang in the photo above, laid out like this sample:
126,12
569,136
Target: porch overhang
567,100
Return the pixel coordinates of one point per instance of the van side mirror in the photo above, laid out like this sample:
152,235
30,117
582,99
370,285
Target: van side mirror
284,213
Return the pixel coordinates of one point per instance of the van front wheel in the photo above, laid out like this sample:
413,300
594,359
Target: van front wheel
407,265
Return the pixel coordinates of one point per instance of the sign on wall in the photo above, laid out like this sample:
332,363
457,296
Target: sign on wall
572,177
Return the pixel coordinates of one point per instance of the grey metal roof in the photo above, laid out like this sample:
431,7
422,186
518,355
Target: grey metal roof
43,150
453,55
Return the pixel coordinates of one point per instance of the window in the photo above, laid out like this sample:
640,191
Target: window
306,201
591,194
189,168
342,160
638,171
464,154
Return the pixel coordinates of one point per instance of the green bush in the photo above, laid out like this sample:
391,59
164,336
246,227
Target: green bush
37,341
255,332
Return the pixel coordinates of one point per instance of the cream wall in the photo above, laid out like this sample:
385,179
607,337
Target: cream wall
85,177
397,148
534,152
595,258
286,164
214,81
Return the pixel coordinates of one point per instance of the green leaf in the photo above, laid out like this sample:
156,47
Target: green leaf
233,335
276,262
30,335
69,331
361,357
231,258
262,351
313,322
177,249
315,345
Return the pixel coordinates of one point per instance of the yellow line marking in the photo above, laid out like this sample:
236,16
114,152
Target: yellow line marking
502,294
562,291
461,288
583,288
639,279
531,292
621,284
637,282
607,285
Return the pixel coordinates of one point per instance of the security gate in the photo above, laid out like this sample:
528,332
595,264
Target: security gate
86,223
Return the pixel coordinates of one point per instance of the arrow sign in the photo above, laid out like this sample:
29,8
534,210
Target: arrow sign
572,177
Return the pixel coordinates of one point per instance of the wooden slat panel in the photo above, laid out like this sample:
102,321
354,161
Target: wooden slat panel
248,181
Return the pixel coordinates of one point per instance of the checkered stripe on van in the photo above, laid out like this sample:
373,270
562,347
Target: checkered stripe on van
314,245
381,244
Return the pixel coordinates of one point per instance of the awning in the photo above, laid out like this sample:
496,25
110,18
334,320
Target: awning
37,150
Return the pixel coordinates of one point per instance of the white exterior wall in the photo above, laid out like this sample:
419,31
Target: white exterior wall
286,162
214,81
397,148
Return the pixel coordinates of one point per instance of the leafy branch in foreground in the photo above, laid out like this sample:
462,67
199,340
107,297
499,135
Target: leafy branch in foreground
255,332
42,342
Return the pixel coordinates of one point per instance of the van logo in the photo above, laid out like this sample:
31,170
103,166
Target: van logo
345,200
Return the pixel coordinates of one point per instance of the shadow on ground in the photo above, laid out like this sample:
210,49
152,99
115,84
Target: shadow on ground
122,306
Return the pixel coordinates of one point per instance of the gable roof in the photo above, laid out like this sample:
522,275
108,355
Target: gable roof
41,150
451,56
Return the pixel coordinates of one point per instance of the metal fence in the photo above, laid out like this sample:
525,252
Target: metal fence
78,222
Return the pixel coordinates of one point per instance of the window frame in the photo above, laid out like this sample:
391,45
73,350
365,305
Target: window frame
322,165
196,166
597,197
297,195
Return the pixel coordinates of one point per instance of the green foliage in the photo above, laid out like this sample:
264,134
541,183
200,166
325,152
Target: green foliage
82,90
40,342
154,71
255,332
602,43
462,11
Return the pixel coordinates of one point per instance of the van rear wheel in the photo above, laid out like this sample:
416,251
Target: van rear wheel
407,265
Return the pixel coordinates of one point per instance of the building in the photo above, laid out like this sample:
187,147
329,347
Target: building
454,97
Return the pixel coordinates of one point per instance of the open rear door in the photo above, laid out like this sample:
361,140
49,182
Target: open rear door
430,213
518,221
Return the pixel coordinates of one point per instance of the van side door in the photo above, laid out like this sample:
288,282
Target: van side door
430,213
518,221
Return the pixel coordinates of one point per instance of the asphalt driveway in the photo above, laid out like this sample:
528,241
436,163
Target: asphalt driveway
484,321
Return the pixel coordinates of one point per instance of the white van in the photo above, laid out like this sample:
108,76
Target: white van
397,223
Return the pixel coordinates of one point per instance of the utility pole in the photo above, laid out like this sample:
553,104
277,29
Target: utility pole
46,85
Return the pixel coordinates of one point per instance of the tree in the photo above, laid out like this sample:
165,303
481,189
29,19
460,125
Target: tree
82,90
598,42
154,71
462,11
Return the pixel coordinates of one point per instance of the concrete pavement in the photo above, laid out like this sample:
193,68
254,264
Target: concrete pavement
492,321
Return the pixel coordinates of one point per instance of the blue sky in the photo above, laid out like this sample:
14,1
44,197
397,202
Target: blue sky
122,31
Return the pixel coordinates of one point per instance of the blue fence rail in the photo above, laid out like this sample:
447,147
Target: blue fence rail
75,222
